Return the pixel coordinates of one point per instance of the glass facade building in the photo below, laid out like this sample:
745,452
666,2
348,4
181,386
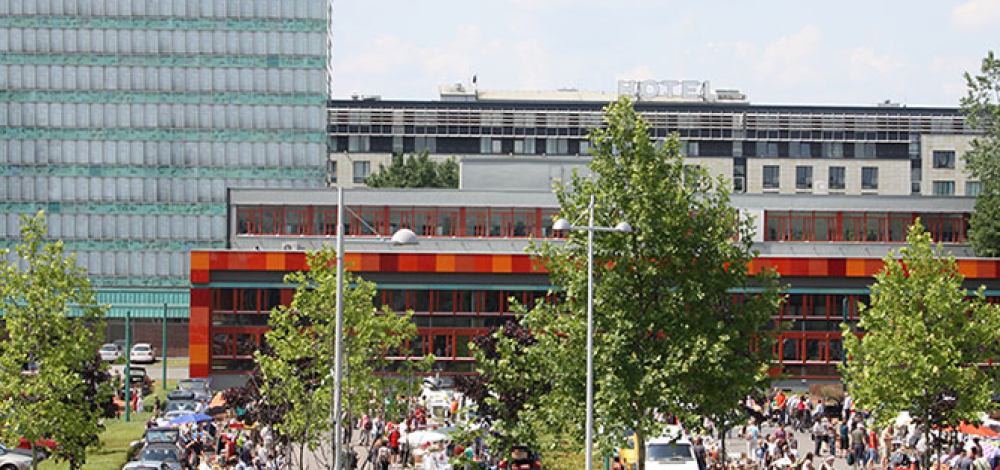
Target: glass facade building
127,120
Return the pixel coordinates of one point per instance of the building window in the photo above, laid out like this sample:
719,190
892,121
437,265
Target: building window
331,171
837,177
772,175
361,170
803,177
944,188
944,159
869,177
973,188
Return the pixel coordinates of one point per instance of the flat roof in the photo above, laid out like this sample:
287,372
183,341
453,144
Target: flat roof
545,199
717,106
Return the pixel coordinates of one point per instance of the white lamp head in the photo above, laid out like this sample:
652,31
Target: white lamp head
561,224
404,236
623,227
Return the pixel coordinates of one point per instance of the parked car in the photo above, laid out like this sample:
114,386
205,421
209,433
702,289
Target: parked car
169,415
110,352
138,378
44,448
146,465
180,395
13,461
201,386
167,454
143,352
521,458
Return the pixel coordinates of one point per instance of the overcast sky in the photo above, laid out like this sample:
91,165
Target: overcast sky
775,51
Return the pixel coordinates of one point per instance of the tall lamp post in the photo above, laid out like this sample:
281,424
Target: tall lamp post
401,237
622,227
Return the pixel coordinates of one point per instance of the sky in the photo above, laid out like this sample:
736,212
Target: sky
912,52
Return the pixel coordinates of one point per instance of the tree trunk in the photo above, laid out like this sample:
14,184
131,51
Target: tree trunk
34,457
640,449
722,456
925,422
302,451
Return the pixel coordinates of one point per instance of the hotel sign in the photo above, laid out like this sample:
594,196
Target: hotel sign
649,89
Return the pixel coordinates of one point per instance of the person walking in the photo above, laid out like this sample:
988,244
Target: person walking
831,435
819,435
858,444
752,434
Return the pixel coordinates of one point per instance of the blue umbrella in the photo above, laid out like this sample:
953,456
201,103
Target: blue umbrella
191,418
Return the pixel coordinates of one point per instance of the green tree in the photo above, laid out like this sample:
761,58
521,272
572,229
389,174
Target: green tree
925,341
507,387
296,371
982,108
415,171
52,380
670,336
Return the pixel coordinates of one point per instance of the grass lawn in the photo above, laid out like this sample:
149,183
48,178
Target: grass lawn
177,362
116,437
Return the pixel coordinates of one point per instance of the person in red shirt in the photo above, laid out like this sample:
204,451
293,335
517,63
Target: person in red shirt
394,443
779,404
873,458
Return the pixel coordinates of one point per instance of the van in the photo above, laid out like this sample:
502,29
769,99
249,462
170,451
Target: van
670,451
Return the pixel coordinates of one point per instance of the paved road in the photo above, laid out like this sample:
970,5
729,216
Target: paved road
737,445
154,371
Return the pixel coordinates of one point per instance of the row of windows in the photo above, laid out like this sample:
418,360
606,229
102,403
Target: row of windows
162,153
804,177
166,190
124,227
133,264
134,41
248,307
386,220
861,226
755,125
812,335
191,116
180,79
460,145
184,8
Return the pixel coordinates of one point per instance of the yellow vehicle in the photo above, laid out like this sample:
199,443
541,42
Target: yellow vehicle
627,454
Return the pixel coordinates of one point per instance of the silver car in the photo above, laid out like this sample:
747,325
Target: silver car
11,461
146,465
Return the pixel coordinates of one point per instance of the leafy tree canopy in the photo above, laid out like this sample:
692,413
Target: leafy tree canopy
670,337
54,383
415,171
925,340
982,107
295,375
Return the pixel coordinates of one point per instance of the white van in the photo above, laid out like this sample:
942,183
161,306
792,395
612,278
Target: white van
670,453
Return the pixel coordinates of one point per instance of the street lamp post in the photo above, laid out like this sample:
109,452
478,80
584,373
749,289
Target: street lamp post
563,224
401,237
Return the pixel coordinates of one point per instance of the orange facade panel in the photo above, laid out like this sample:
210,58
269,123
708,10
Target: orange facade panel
204,262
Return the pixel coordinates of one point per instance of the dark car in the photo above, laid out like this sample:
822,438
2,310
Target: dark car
138,378
162,435
200,387
169,454
832,408
180,395
522,458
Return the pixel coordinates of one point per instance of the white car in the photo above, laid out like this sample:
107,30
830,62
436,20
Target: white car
10,460
143,352
110,352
